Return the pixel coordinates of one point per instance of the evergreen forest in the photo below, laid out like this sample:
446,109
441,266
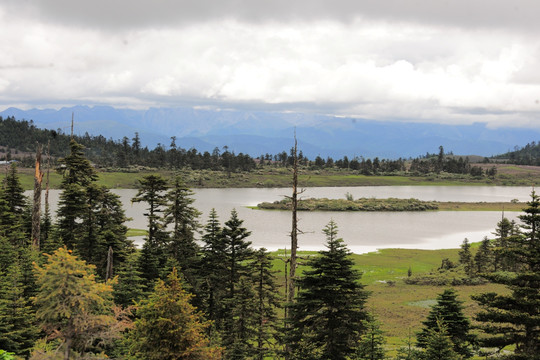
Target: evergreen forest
77,287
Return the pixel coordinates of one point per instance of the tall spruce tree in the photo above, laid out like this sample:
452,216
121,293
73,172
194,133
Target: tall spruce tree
214,272
449,312
327,317
153,257
78,174
18,329
514,319
184,218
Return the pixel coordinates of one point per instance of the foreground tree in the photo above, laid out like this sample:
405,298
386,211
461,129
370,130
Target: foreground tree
71,305
514,319
330,307
449,312
169,327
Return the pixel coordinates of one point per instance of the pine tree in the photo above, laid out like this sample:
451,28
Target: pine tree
18,330
130,285
371,344
514,319
267,302
71,305
466,258
183,216
13,192
214,272
237,250
328,313
168,327
439,344
483,259
153,255
449,312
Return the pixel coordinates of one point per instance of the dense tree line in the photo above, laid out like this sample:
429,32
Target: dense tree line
128,152
526,155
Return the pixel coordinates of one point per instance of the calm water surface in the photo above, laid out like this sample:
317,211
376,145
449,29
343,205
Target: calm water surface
362,231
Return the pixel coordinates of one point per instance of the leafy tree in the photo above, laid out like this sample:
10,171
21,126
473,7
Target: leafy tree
328,313
449,312
514,319
71,305
169,327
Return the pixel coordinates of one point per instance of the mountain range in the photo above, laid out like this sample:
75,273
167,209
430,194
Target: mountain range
260,132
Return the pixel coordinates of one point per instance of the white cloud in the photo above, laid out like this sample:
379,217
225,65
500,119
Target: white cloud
392,66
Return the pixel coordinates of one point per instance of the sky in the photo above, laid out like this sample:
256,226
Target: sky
453,62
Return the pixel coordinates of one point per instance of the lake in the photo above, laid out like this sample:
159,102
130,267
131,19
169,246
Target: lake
362,231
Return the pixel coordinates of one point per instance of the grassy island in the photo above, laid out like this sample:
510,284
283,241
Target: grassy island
390,204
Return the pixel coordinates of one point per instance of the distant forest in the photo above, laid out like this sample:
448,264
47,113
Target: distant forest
527,155
18,139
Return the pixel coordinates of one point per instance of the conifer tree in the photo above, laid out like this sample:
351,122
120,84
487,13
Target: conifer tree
13,192
371,344
237,249
168,326
330,307
267,303
439,344
153,255
71,305
18,330
130,285
483,259
449,312
184,217
214,270
466,258
514,319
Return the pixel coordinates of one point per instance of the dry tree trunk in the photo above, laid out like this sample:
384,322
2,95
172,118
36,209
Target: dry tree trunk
36,210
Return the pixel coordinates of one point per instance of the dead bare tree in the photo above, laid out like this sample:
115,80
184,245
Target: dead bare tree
36,210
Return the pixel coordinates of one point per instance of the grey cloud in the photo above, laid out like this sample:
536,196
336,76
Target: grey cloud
518,14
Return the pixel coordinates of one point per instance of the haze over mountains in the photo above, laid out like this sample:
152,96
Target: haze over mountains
259,132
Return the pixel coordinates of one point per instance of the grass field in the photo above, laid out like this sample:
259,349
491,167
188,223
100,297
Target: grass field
511,175
401,308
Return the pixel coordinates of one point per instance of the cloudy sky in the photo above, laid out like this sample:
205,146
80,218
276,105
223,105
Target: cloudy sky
458,61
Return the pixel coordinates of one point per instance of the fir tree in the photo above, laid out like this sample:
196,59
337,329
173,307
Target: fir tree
439,345
71,305
18,330
13,192
183,216
449,312
214,271
129,287
514,319
483,259
371,344
153,255
329,310
168,327
466,258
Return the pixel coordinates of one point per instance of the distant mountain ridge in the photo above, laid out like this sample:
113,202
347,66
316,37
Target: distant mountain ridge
259,132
